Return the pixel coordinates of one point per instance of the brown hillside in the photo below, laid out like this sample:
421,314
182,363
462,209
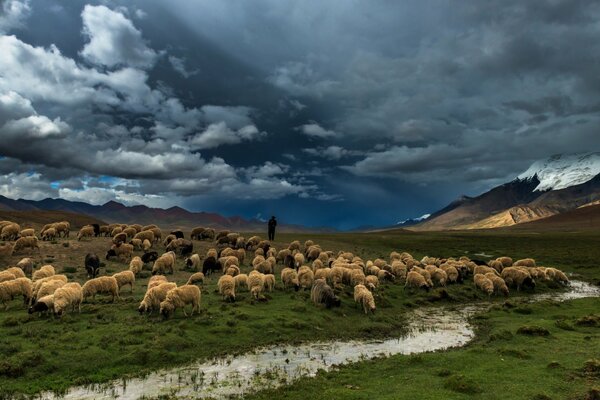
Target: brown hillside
583,218
36,218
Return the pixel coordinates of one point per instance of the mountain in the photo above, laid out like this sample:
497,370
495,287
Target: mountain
583,218
169,218
412,221
34,218
549,187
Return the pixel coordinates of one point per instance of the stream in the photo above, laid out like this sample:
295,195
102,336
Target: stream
429,329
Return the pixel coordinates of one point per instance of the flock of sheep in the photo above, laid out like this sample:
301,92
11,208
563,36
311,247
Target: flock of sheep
303,266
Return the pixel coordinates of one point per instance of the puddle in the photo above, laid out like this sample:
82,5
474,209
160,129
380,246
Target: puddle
429,329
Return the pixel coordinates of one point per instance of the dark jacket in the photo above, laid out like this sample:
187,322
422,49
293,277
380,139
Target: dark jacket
272,224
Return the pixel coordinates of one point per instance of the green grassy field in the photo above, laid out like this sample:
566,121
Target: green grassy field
110,341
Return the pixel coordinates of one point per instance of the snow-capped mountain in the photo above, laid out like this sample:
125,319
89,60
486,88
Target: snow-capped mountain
563,170
413,220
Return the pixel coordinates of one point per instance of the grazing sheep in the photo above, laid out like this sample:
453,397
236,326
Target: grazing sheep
282,254
264,267
125,278
143,235
116,231
26,242
289,261
26,265
27,232
156,280
154,296
92,265
13,288
364,297
102,285
305,277
197,233
136,265
16,271
148,227
86,232
146,245
295,245
259,253
130,232
49,234
308,244
321,293
515,276
179,297
149,257
157,234
557,276
123,252
312,253
482,270
356,277
37,285
10,232
526,262
371,282
137,227
289,277
44,272
193,262
241,280
70,295
6,250
42,305
177,233
136,243
499,284
7,276
298,260
240,243
505,261
49,287
226,285
168,240
269,282
210,265
256,284
105,230
322,273
484,284
252,242
232,270
416,280
195,278
451,273
425,275
241,255
164,264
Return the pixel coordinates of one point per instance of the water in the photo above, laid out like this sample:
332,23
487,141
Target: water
429,329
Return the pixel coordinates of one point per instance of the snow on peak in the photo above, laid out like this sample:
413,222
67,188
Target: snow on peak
563,170
421,218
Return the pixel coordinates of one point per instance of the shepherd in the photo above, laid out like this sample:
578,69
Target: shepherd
272,225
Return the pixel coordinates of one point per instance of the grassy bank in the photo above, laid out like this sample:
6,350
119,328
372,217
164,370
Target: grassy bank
110,341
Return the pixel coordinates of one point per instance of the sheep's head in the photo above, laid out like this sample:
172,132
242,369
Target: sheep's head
110,253
142,308
166,309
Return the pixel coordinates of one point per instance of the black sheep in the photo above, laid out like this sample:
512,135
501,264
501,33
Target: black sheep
210,265
288,261
96,230
149,257
186,248
92,264
39,306
110,253
178,234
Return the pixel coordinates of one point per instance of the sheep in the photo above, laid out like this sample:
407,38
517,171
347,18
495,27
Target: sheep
321,293
416,280
482,270
149,257
226,285
259,253
37,285
116,231
557,275
168,240
125,278
104,230
136,265
484,284
439,276
364,297
179,297
289,277
499,284
241,255
256,284
222,234
232,270
357,277
505,261
156,280
49,234
137,227
289,261
103,285
282,254
157,234
264,245
312,253
322,273
240,280
240,243
70,295
264,267
195,278
122,238
514,276
49,287
7,276
229,261
146,245
148,227
197,233
10,232
526,262
42,305
16,271
85,232
193,262
305,277
123,252
164,264
26,265
13,288
295,245
336,276
147,234
308,244
210,265
136,243
26,242
6,250
425,275
154,296
372,282
451,273
92,265
298,260
27,232
252,242
130,232
44,272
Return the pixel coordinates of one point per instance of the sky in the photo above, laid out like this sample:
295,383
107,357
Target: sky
336,113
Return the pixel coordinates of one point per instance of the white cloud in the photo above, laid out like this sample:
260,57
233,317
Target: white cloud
178,65
12,14
25,186
315,130
219,134
113,39
36,126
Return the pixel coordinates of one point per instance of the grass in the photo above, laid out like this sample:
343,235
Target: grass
46,354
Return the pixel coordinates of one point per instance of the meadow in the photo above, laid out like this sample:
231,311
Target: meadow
111,340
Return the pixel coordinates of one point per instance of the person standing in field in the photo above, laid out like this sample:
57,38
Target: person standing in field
272,224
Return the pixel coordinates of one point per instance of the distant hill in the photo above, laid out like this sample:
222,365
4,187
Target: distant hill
33,218
583,218
170,218
548,188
